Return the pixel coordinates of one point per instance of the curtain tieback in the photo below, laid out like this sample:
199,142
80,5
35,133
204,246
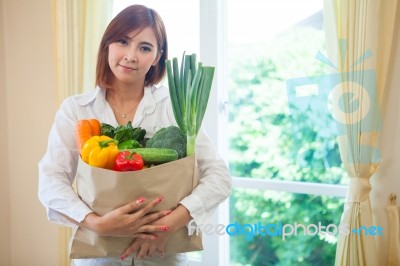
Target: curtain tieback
359,188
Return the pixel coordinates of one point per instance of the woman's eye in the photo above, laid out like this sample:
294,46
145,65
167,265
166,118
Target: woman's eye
146,49
122,41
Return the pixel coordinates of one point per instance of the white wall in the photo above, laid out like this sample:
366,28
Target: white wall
27,108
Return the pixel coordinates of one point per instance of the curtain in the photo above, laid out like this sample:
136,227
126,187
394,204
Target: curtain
394,235
360,38
78,26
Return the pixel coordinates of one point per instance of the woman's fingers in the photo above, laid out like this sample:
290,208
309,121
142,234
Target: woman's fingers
133,218
154,216
139,246
134,247
144,249
149,206
137,207
152,251
161,252
145,236
132,206
152,228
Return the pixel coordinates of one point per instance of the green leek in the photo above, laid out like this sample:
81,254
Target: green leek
189,90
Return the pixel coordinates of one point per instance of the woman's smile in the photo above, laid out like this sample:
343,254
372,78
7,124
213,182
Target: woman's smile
127,68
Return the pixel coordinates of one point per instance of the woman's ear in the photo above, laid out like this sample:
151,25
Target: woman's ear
155,62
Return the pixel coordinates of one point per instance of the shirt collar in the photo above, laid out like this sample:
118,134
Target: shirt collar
91,96
152,96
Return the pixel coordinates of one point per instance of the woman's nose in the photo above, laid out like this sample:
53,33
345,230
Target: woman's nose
131,56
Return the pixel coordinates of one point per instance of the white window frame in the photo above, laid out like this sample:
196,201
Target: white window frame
213,52
212,47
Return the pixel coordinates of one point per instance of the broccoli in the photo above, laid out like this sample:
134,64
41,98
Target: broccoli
170,137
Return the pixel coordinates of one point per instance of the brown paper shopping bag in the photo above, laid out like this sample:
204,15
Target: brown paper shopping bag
105,190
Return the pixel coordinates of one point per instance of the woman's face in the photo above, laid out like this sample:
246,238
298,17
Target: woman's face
131,57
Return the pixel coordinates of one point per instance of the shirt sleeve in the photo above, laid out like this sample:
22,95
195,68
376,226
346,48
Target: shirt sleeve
214,183
57,171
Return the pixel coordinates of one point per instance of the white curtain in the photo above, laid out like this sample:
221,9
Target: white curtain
78,26
360,38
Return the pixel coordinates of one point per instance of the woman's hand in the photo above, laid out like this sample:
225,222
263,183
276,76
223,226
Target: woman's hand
130,220
169,224
147,247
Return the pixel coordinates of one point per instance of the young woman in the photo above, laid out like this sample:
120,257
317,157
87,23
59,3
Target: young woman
131,61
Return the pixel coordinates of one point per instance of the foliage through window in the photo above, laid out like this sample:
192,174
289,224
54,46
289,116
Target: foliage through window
266,141
275,210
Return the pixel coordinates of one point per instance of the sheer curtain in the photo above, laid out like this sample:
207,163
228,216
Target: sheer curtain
394,229
360,38
78,26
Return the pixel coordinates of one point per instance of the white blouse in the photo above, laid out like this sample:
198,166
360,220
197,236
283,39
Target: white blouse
58,166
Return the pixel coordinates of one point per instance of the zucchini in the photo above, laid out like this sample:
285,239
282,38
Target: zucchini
156,155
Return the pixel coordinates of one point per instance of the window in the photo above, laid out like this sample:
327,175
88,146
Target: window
284,157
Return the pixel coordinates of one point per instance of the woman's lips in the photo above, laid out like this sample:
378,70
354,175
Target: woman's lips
127,68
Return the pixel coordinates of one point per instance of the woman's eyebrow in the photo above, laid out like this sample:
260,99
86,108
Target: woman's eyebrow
143,42
147,43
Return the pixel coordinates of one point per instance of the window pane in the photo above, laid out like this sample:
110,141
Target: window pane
270,43
280,209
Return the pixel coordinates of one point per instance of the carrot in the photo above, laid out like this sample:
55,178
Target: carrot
85,129
96,127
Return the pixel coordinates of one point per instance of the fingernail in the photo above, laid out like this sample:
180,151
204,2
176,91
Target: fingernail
160,199
140,200
153,237
164,228
122,258
167,212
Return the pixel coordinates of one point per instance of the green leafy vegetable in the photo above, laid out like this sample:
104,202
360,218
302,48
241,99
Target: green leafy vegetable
129,144
123,132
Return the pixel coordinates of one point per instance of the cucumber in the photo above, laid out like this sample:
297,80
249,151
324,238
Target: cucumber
156,155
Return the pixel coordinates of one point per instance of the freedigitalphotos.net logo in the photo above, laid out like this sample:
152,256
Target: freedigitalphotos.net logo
281,230
348,99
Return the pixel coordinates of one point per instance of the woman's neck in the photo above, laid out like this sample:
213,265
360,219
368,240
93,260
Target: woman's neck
122,94
124,101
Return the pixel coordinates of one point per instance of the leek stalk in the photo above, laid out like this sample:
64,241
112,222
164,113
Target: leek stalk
189,90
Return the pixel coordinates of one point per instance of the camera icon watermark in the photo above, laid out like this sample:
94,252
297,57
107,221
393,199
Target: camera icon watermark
342,104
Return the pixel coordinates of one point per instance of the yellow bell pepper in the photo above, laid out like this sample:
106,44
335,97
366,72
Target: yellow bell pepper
100,151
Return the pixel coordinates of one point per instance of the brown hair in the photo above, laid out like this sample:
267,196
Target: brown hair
132,18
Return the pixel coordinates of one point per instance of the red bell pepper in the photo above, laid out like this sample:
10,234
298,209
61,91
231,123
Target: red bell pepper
128,161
